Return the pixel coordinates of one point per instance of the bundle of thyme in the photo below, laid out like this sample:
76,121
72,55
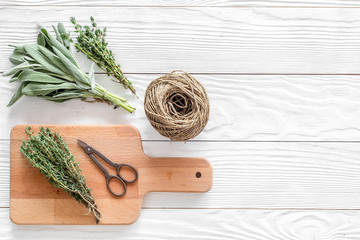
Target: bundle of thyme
48,70
91,41
48,152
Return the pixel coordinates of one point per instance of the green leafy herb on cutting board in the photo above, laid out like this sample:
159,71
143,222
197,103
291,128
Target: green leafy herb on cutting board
91,41
47,69
48,152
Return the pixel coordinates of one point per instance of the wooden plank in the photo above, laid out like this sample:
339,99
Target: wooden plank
34,201
255,175
243,108
205,224
187,3
4,173
208,40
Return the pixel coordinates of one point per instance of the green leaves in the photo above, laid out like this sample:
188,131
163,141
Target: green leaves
64,96
81,79
34,51
14,77
54,59
19,57
41,40
65,36
17,95
39,77
48,152
48,70
20,67
92,77
91,41
41,89
58,45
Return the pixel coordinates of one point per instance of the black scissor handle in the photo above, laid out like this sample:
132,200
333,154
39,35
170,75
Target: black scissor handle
108,178
118,168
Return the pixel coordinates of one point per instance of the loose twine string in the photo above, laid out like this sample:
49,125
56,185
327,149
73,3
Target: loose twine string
177,106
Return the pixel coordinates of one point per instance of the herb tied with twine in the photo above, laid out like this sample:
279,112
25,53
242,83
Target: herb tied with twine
48,70
91,42
177,106
48,152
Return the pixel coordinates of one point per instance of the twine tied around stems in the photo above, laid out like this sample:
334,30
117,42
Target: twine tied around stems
177,106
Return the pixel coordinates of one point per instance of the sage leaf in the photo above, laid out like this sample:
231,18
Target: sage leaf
81,80
54,59
14,78
64,35
56,44
20,67
92,76
34,76
18,94
62,97
68,78
49,98
67,95
58,37
41,40
17,57
34,52
41,89
19,48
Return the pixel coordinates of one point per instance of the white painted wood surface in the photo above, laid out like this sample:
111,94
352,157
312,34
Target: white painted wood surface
278,175
210,224
208,40
242,108
187,3
283,135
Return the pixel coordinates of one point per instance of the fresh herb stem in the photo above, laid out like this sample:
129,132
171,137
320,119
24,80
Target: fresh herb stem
119,101
91,42
48,152
49,71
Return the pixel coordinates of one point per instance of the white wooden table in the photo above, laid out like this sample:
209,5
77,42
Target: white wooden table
284,132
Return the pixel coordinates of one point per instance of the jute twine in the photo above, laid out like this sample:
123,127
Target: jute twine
177,106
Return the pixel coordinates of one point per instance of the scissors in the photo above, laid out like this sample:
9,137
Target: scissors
91,151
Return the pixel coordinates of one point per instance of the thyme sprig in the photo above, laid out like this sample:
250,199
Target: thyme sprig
91,41
48,152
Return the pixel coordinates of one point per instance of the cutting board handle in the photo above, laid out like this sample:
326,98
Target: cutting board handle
176,175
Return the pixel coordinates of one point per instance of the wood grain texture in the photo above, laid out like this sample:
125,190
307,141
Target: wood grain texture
227,40
188,3
205,224
4,173
207,40
258,175
34,201
242,108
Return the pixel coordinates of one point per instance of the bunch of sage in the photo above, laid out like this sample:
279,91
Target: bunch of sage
47,69
48,152
91,42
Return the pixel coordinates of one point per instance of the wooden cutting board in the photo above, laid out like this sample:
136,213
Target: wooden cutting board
34,201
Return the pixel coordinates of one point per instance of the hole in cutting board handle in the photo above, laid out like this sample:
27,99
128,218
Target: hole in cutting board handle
198,175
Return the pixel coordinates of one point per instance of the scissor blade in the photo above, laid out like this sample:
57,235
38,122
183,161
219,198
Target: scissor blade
83,145
90,151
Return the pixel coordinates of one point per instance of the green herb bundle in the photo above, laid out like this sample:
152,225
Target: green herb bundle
48,70
91,41
48,152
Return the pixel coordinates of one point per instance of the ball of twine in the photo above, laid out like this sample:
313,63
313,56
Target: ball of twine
177,106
